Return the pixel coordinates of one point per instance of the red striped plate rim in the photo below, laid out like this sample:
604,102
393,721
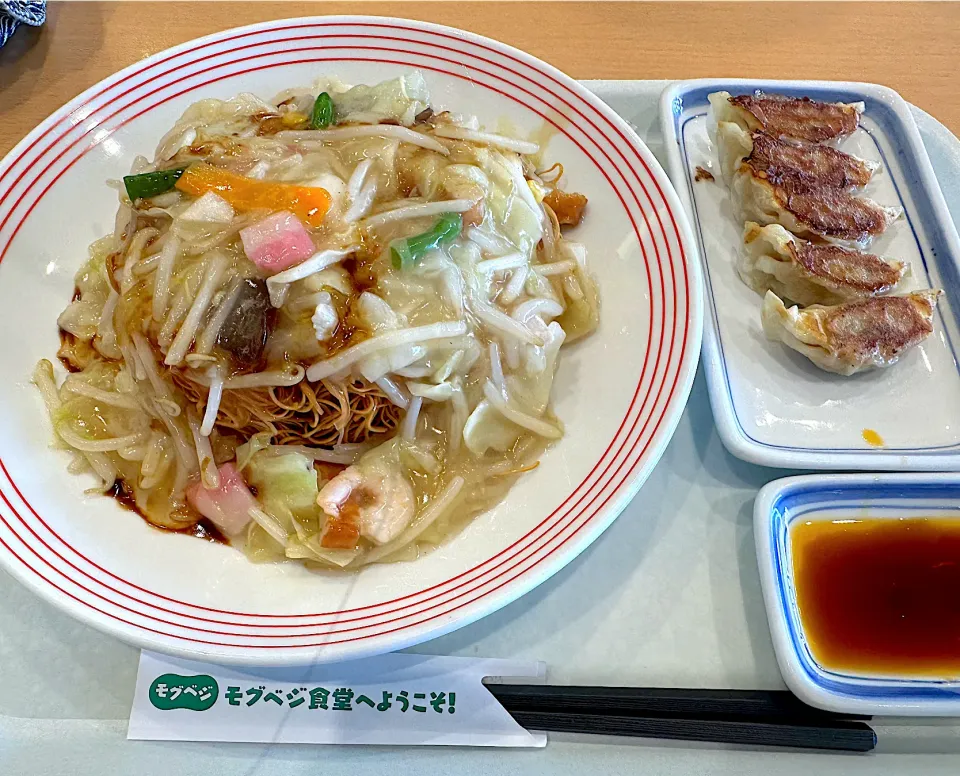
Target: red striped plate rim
612,479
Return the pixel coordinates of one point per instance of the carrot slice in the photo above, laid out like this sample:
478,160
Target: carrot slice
309,203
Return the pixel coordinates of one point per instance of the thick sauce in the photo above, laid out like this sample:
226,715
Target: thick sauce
202,529
881,596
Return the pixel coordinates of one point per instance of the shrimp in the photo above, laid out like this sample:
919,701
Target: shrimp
372,496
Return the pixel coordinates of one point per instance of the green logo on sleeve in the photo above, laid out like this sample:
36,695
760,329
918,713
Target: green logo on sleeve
172,691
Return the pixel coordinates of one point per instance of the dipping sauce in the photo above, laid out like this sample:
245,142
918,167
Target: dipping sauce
880,596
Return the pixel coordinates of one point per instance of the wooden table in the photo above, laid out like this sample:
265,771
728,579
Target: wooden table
911,47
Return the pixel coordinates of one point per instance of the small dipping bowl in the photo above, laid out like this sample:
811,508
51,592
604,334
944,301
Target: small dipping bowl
785,505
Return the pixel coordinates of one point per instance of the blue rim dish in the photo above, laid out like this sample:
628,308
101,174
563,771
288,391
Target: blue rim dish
914,180
785,501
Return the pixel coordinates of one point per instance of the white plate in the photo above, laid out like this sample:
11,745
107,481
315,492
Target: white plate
838,497
772,406
620,393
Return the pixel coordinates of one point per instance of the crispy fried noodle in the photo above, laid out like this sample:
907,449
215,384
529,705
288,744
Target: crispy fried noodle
327,324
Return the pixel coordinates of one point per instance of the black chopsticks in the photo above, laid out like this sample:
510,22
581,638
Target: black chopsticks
744,717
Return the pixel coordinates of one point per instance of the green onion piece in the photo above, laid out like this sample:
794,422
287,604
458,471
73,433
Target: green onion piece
323,112
149,184
410,250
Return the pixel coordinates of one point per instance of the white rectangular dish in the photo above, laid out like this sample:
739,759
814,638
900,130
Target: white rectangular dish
771,405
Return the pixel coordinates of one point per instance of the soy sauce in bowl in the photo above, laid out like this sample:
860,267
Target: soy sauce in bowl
880,596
